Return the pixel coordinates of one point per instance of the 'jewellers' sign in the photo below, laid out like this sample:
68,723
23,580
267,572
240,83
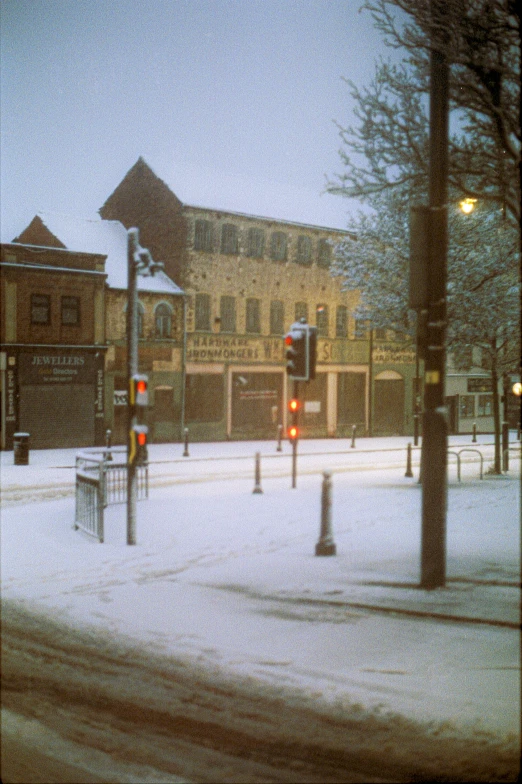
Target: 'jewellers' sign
218,348
56,369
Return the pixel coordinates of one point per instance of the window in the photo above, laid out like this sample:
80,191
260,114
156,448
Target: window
301,311
467,405
71,311
202,313
485,405
163,321
253,321
380,334
361,328
203,235
321,320
304,250
229,242
278,245
277,317
255,243
40,309
341,321
463,358
324,253
228,314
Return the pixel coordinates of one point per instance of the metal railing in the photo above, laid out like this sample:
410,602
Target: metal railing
101,480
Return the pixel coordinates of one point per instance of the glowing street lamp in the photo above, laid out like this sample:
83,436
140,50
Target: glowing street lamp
467,205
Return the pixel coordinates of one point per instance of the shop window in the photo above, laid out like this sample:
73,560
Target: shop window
485,405
70,311
40,309
202,313
341,321
321,320
163,321
253,317
255,243
278,246
277,317
229,238
304,250
301,311
204,397
203,235
324,253
228,314
467,406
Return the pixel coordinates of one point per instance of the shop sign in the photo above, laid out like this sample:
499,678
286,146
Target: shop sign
218,348
480,385
11,408
120,397
99,393
56,369
258,394
312,406
390,354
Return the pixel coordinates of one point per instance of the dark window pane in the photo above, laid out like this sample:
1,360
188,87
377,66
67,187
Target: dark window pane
278,244
229,242
304,250
301,311
361,328
256,243
204,397
324,253
253,320
380,334
277,317
202,312
203,235
40,309
163,318
228,314
341,321
321,320
71,311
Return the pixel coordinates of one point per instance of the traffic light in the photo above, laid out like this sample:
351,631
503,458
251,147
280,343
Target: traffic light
139,390
138,454
293,432
296,342
293,405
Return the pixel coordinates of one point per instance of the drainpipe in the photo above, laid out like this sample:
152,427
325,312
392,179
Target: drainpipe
183,368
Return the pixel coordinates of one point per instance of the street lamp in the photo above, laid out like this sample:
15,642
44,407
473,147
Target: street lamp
467,205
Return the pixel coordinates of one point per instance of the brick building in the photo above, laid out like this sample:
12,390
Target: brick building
247,279
64,301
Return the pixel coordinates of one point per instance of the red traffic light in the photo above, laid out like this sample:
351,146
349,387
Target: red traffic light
139,390
293,432
142,439
141,387
293,405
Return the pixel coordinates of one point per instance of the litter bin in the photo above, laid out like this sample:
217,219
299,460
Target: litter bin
21,448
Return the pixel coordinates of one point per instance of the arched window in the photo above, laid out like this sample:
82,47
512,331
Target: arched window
163,321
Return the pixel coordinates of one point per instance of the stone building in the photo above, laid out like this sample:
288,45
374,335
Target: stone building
59,259
247,279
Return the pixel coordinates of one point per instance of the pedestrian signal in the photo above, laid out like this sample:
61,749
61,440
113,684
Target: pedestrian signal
139,390
293,405
138,453
296,342
293,433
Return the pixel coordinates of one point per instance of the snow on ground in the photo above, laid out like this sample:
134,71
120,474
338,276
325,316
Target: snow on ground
229,578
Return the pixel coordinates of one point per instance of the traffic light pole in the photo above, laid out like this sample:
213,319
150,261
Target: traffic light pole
435,428
295,423
132,369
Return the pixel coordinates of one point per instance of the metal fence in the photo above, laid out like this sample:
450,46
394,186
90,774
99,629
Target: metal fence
101,480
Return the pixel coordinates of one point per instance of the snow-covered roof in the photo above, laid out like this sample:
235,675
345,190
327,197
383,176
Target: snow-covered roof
199,186
94,235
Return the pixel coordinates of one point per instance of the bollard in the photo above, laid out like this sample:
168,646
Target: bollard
108,434
325,545
354,428
518,433
409,472
257,486
279,437
505,446
416,429
474,439
186,450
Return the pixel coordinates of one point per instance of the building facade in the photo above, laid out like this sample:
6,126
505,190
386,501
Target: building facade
52,320
247,279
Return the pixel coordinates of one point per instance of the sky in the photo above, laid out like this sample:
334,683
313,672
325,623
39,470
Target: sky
202,89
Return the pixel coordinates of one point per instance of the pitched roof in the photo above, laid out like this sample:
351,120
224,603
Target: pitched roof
109,238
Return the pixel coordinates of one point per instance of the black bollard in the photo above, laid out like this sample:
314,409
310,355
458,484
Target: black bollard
409,472
326,545
279,437
186,451
505,447
108,455
257,486
474,439
354,428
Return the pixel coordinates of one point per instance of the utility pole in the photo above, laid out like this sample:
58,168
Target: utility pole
435,426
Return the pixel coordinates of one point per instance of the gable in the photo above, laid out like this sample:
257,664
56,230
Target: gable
37,233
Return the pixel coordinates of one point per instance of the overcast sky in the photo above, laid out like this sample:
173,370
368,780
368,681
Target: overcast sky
241,88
